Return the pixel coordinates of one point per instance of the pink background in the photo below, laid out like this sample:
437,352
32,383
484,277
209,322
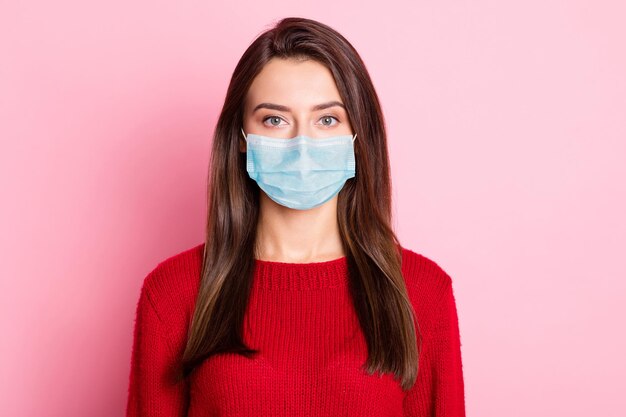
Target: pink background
507,135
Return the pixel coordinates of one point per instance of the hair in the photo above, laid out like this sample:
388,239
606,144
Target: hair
374,254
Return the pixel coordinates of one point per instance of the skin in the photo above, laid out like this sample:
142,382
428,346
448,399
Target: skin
285,234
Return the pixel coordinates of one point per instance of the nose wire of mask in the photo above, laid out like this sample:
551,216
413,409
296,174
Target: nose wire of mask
244,135
302,172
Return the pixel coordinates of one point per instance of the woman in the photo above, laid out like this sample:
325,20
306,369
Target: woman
301,301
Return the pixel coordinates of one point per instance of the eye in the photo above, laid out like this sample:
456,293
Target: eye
329,120
274,120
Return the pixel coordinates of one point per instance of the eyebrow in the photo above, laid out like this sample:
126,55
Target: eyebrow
280,107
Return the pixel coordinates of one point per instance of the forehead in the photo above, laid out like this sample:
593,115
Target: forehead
297,84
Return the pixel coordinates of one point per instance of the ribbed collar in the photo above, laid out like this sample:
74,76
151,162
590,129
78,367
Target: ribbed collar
301,276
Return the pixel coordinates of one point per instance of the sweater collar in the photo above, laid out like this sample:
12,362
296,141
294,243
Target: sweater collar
300,276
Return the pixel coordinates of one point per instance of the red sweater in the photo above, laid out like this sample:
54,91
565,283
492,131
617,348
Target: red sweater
311,347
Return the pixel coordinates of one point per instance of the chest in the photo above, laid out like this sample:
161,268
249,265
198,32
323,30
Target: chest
310,363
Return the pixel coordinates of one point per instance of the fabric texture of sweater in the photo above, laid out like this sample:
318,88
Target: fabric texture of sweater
311,346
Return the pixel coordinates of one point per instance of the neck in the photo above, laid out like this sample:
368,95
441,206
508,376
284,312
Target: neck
299,236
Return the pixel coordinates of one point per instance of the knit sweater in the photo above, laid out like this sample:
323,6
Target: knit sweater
311,346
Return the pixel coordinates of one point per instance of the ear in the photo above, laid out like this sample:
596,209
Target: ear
243,146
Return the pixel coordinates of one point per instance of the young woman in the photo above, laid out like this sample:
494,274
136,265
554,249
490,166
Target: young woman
301,301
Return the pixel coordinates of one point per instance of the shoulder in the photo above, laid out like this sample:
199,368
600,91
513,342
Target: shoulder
422,272
172,285
428,284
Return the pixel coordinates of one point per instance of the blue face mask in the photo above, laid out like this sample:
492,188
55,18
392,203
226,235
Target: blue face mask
302,172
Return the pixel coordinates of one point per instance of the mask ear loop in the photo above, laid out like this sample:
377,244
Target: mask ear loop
244,134
354,138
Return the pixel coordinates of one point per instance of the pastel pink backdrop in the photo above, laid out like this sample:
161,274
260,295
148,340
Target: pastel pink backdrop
507,135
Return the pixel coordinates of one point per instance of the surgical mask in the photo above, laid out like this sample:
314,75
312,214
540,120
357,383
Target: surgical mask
301,172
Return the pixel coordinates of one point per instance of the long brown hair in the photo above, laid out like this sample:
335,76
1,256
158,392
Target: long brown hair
373,251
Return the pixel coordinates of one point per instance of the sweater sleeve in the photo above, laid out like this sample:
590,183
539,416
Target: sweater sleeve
152,389
439,388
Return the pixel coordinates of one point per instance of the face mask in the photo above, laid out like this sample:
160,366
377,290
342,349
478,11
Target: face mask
302,172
